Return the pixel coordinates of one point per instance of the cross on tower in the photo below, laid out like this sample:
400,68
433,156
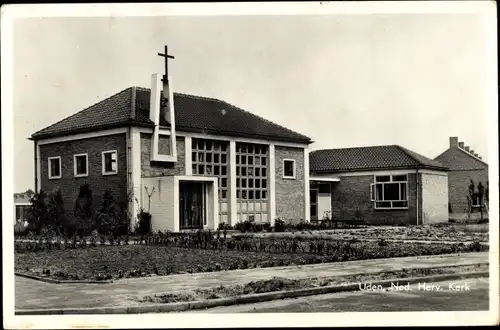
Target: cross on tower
165,76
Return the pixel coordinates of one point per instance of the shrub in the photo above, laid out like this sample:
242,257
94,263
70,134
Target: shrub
58,221
144,224
224,226
245,226
83,210
38,215
279,225
111,219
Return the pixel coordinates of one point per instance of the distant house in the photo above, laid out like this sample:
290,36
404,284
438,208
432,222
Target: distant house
465,165
191,161
381,184
21,207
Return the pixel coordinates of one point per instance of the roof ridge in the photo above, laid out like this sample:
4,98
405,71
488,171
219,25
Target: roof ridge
79,112
231,105
476,158
133,100
405,151
365,147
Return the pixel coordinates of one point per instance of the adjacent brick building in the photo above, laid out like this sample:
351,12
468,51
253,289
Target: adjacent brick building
207,161
380,184
464,165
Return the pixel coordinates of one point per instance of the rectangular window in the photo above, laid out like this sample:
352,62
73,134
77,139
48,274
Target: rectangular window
81,163
288,168
54,165
109,162
390,192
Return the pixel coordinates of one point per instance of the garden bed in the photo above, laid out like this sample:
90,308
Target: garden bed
283,284
445,232
114,262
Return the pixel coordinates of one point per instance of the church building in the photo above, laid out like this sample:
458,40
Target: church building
191,161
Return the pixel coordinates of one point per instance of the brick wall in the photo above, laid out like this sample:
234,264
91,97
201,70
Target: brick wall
463,169
352,194
150,169
69,185
290,199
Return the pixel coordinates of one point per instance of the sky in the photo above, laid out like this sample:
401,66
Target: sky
343,80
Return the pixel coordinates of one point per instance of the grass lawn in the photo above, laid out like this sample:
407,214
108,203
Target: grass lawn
111,262
445,232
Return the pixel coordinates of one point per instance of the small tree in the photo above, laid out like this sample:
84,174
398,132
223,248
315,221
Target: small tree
470,198
56,213
83,210
38,216
480,196
109,215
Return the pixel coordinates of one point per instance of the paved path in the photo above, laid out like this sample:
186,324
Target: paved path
413,300
32,294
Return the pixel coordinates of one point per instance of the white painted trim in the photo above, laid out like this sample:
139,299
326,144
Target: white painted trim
294,169
188,156
155,117
136,173
307,202
53,177
103,160
433,172
166,131
363,173
325,179
215,206
272,184
233,201
75,168
22,203
82,136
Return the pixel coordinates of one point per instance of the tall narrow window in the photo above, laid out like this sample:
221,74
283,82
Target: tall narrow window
81,165
54,167
289,169
109,162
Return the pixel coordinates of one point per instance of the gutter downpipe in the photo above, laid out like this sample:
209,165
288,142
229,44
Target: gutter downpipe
418,188
36,167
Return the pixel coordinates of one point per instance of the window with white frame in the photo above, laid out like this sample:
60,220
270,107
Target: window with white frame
54,167
109,162
390,191
81,165
289,168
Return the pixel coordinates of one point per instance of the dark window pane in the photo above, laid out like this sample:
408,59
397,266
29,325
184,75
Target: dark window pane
250,194
324,188
237,170
250,183
250,160
237,183
403,191
216,158
216,170
208,145
223,170
391,191
195,169
385,178
223,159
244,183
244,194
238,192
201,169
313,196
399,178
243,159
257,194
257,171
223,182
314,211
208,158
264,183
264,194
208,169
201,157
383,204
288,168
224,194
399,204
263,161
264,172
223,146
243,171
379,192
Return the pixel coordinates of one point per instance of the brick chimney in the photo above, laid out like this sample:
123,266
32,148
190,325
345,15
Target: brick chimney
466,148
461,145
453,141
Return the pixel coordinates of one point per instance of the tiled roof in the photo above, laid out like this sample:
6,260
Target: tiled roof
192,113
369,158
